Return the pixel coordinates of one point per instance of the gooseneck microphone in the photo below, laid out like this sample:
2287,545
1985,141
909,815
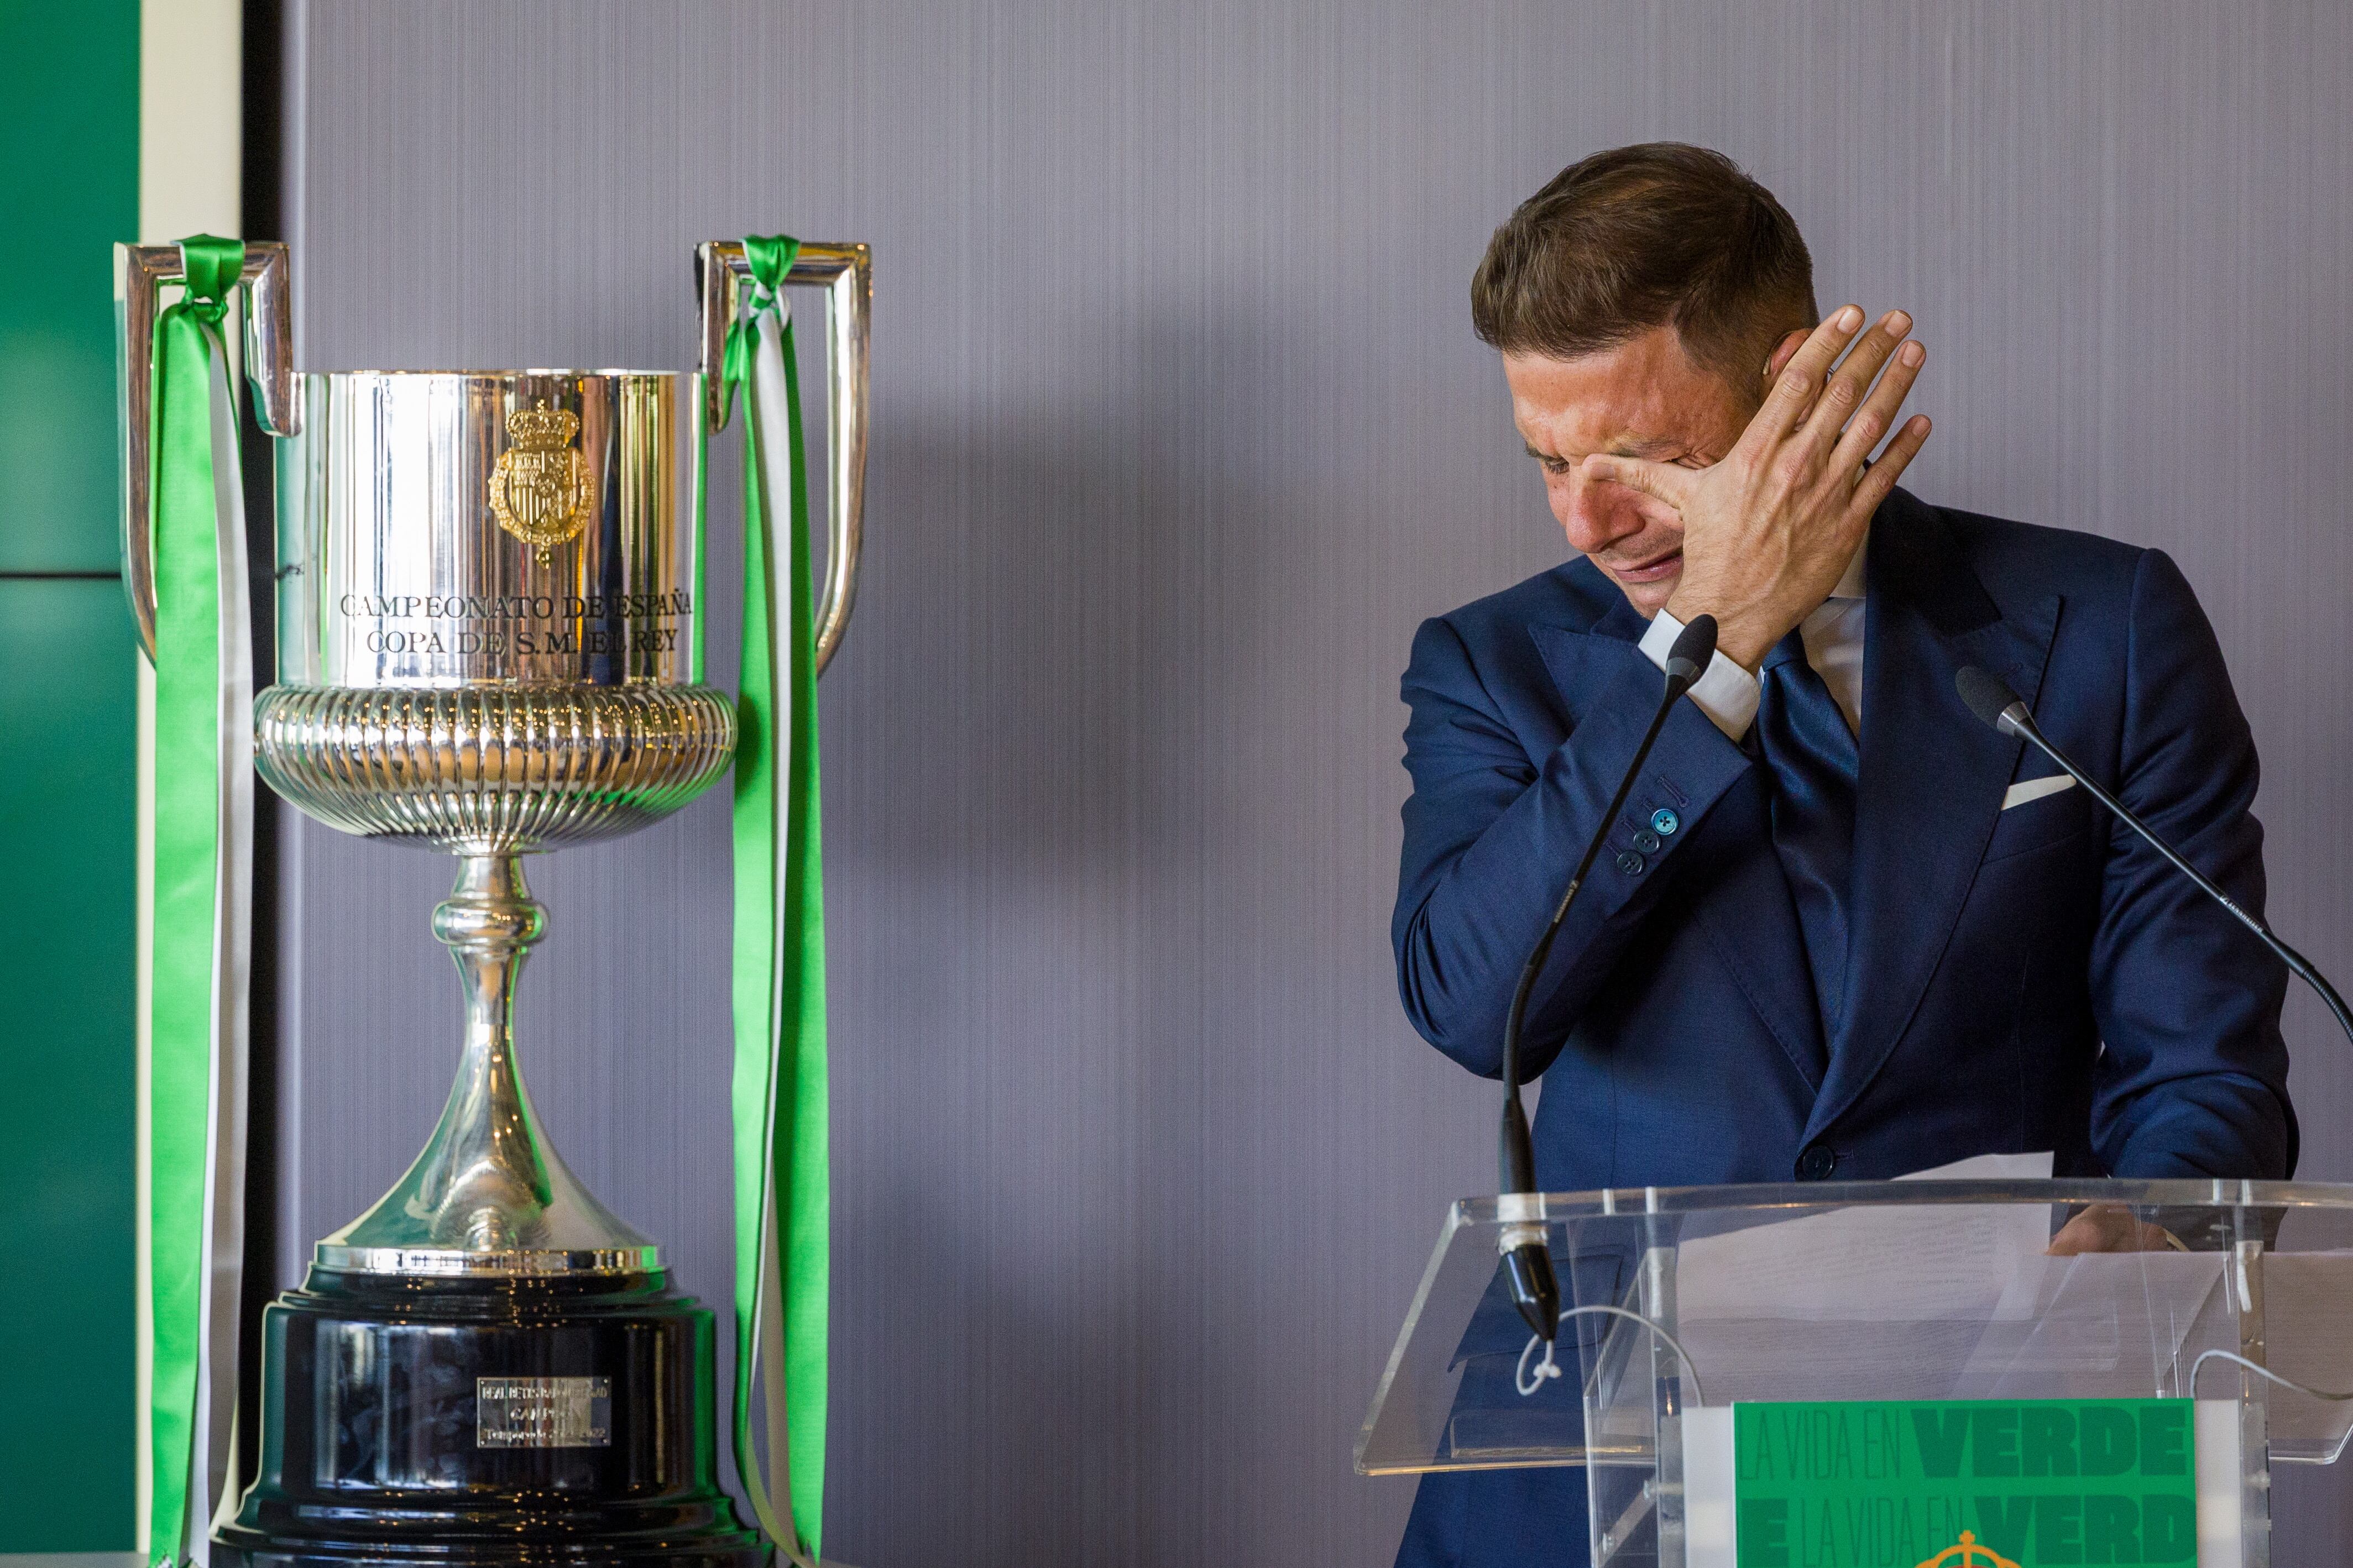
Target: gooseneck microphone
1527,1265
1992,700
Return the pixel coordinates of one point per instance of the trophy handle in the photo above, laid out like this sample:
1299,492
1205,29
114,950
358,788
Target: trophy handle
846,272
140,272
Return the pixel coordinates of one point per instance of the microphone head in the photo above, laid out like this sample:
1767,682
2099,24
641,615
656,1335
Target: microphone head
1693,649
1990,698
1535,1289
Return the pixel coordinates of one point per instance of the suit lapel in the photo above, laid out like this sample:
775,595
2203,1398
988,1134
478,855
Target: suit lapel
1747,914
1931,781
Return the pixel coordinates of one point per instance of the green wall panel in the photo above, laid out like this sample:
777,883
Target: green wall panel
68,763
68,190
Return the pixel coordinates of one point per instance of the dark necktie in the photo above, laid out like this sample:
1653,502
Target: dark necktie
1812,753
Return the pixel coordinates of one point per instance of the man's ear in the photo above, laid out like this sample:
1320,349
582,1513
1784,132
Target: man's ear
1791,341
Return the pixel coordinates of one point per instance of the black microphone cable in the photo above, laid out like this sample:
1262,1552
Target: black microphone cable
1991,700
1527,1263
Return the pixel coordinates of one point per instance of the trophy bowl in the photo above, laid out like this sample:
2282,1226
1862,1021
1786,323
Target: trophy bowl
487,621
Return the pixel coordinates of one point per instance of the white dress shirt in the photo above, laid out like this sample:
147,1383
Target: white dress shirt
1833,637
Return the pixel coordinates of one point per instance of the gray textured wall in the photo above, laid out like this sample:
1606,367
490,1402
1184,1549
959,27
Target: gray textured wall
1179,430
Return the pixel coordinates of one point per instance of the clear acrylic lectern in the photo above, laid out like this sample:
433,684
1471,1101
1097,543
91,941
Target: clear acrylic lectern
1892,1374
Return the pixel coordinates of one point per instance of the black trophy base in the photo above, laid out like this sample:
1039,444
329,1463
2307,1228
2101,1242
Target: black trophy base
410,1420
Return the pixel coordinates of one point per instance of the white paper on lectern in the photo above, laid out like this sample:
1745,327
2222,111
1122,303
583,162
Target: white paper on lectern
1907,1263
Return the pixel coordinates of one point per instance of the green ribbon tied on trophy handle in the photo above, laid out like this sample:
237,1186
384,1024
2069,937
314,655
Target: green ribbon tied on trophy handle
783,1208
196,752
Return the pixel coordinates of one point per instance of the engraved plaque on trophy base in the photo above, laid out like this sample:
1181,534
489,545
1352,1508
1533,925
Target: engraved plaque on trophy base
563,1420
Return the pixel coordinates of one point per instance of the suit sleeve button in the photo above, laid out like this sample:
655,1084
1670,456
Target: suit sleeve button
1663,821
1647,842
1817,1163
1631,863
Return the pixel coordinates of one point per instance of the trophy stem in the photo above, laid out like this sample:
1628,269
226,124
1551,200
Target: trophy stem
484,1174
489,1194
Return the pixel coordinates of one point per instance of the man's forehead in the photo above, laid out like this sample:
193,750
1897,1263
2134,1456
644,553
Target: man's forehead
1641,393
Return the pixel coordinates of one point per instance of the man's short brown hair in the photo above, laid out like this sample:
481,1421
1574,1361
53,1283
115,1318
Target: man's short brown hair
1655,234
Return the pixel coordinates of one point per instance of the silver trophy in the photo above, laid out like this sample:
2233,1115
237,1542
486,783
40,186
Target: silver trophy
488,616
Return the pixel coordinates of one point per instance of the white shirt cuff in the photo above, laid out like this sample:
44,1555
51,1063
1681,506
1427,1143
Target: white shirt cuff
1726,693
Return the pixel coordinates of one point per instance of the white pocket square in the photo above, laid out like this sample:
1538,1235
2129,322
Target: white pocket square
2035,789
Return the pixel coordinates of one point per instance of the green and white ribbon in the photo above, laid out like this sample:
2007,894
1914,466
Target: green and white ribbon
196,922
783,1209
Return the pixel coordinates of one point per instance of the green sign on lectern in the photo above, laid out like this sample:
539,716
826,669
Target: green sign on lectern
1964,1484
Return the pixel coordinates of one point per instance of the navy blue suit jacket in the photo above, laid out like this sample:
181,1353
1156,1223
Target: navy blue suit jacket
2019,980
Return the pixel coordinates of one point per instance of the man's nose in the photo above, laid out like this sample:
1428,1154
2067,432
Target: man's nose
1597,516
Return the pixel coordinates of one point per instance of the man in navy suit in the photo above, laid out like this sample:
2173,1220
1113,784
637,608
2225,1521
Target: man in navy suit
1842,929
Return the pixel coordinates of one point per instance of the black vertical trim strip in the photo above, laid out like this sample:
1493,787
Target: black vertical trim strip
261,211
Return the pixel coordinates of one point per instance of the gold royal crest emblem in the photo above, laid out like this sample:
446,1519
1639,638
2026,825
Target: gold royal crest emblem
542,491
